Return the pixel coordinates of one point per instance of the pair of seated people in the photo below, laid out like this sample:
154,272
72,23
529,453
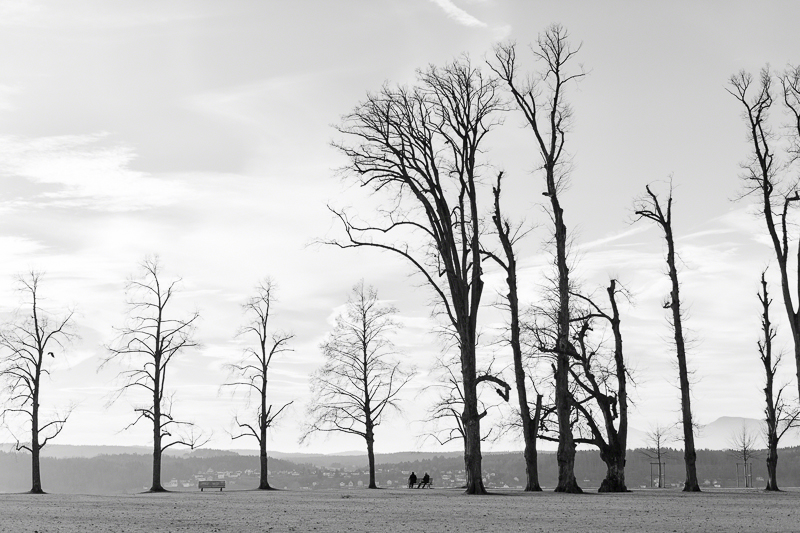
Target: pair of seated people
425,482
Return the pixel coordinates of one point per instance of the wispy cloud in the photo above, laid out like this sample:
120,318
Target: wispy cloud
79,171
458,14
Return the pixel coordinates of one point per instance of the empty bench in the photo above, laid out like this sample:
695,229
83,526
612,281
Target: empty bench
210,485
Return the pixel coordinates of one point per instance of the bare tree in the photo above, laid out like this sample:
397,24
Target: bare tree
32,335
603,383
649,207
148,343
359,379
508,262
779,415
743,444
657,438
546,112
423,146
765,177
252,371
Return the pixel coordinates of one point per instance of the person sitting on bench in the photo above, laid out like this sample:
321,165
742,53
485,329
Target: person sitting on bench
412,480
426,481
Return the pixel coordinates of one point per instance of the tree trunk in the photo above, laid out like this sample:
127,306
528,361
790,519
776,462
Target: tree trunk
263,484
566,443
690,456
772,466
371,459
615,470
36,477
530,429
471,419
156,486
472,457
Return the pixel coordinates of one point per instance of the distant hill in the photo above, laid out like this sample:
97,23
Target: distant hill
717,435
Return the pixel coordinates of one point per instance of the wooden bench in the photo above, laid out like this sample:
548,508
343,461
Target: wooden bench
210,485
423,485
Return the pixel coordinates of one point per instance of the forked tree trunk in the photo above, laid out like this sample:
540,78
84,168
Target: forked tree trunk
615,470
772,466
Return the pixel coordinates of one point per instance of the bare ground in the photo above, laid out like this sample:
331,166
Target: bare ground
404,511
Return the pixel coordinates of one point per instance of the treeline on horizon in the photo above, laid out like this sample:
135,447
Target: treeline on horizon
129,473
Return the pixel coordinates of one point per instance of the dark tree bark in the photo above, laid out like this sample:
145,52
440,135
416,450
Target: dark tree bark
359,379
554,50
423,146
593,377
148,343
26,341
252,372
650,208
762,176
779,416
508,262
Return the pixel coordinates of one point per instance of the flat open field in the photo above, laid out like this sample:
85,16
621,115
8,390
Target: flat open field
404,511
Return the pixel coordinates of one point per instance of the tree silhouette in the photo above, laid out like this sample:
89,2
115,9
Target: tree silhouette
508,237
764,176
603,383
359,379
422,146
780,415
26,342
657,437
548,115
148,343
252,371
649,207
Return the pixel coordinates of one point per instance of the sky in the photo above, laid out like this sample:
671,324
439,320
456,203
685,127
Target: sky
201,131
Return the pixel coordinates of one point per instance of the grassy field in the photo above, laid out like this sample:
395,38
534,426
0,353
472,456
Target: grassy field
404,511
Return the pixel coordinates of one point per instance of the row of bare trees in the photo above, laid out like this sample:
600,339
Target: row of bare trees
151,338
423,147
359,381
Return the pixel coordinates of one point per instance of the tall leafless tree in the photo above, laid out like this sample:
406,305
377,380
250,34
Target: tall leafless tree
649,207
767,178
26,342
423,146
780,416
508,262
604,384
252,371
542,102
360,379
148,343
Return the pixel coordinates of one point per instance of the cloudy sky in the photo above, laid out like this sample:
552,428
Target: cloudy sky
200,131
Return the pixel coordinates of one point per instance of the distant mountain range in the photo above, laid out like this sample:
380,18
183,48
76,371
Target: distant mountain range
718,435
